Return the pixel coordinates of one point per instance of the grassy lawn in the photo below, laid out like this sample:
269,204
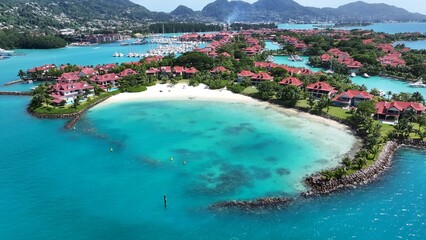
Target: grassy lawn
338,112
249,91
302,103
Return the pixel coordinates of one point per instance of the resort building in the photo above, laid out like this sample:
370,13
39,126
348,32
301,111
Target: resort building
68,77
319,89
39,72
291,81
189,72
152,71
351,98
69,91
127,72
392,111
260,77
244,74
266,65
219,69
107,81
87,72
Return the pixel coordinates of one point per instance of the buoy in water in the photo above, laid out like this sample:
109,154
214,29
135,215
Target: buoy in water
110,149
73,128
184,162
171,159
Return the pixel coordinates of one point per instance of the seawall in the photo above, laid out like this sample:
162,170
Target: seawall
15,93
319,185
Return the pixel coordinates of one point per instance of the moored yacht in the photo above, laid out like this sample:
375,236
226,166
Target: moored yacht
365,75
418,84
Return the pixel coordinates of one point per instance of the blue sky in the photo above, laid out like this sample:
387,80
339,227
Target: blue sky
168,5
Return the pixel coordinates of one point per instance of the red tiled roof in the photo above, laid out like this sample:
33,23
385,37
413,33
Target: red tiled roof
400,106
354,93
323,86
105,78
262,76
68,77
291,81
127,72
219,69
245,73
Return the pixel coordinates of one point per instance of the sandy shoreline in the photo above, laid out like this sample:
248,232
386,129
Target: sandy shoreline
165,92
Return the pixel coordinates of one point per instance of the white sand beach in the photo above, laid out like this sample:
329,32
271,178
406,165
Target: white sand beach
181,91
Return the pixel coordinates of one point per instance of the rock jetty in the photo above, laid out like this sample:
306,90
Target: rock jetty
15,93
253,206
319,185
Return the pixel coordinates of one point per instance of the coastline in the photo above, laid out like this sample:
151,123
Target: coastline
181,92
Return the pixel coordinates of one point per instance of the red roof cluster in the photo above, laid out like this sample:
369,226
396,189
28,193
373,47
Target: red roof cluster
43,68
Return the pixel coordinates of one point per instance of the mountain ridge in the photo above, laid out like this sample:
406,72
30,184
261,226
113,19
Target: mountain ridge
109,14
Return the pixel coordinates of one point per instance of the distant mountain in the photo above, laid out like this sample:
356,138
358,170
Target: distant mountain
55,14
285,10
375,12
223,10
182,11
64,13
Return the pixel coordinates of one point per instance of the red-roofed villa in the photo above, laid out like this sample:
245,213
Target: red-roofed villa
351,98
392,111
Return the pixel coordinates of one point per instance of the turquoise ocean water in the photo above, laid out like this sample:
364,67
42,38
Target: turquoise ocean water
59,184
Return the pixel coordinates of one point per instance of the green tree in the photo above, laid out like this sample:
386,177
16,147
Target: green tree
290,95
267,89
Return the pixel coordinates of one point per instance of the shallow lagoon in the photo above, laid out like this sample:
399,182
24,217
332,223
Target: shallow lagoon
68,185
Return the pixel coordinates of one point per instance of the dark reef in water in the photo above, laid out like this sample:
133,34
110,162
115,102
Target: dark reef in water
282,171
253,206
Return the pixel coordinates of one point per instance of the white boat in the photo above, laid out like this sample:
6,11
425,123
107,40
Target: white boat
116,54
418,84
120,55
382,93
353,75
365,75
329,71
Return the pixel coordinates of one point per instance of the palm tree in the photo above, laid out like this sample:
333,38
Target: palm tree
421,120
22,74
328,175
417,97
340,172
389,94
346,161
360,161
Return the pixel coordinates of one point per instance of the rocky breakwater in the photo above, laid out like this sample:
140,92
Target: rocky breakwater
253,206
15,93
414,143
319,185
